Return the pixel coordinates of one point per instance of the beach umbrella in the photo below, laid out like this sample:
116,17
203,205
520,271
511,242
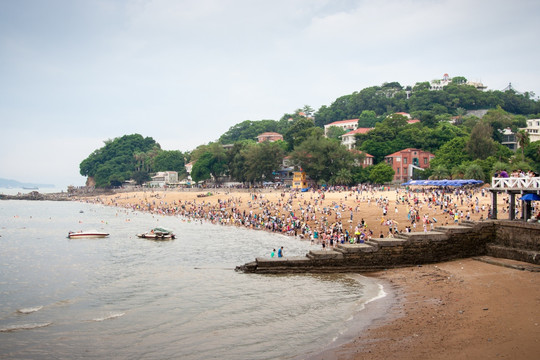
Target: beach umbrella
530,197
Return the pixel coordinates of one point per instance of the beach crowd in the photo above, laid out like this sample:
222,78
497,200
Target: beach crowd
325,216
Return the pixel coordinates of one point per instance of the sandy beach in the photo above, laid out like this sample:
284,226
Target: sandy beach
464,309
379,210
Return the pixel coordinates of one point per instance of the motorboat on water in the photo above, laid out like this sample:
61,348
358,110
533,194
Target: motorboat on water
157,234
87,234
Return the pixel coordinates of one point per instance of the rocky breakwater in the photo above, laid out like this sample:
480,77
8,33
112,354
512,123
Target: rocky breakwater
443,244
35,195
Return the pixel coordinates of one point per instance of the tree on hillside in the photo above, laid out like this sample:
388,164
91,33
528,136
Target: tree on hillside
368,119
249,130
480,144
170,161
335,132
322,158
451,154
299,131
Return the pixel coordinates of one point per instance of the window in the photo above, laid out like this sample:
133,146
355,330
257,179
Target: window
404,160
425,161
398,170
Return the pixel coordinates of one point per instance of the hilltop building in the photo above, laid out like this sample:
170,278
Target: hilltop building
347,125
439,84
349,139
533,129
269,136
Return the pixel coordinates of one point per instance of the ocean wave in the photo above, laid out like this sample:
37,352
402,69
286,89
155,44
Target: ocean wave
24,327
379,295
110,316
29,310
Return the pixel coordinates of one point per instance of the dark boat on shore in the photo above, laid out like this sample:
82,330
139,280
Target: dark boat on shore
157,234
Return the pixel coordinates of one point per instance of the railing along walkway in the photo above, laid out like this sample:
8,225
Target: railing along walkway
516,183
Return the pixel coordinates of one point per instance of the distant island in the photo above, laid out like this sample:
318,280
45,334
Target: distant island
8,183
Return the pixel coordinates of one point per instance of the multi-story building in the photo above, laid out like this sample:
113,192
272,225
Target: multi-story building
299,180
163,178
347,125
533,128
509,139
349,139
404,161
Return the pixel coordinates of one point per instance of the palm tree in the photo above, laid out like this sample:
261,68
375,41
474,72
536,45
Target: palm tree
522,138
474,171
439,173
458,171
343,177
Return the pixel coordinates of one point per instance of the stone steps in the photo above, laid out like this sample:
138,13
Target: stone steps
506,252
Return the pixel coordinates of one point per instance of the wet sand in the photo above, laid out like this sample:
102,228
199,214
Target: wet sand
463,309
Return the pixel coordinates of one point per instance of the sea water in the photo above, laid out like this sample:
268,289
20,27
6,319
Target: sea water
129,298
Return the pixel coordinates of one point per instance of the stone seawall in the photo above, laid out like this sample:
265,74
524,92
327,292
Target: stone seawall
518,241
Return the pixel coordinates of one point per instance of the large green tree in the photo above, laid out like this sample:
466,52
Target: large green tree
322,158
172,160
480,144
115,162
381,173
262,160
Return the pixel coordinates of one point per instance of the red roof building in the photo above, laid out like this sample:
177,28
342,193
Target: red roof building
349,139
347,125
269,136
404,161
368,159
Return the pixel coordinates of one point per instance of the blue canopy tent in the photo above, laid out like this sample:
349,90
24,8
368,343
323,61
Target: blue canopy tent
457,182
530,197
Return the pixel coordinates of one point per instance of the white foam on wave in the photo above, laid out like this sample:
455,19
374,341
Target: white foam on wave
379,295
110,316
24,327
29,310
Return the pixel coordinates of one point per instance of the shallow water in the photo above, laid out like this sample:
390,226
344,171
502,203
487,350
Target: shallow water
126,297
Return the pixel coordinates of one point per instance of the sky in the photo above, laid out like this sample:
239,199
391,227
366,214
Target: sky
75,73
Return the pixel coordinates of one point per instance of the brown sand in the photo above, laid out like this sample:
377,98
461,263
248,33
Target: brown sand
462,309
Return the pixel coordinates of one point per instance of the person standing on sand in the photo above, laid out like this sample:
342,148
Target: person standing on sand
273,253
280,252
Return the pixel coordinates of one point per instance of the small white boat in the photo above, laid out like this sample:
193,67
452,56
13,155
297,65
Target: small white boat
87,234
157,234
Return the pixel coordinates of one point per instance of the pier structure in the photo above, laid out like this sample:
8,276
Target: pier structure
514,186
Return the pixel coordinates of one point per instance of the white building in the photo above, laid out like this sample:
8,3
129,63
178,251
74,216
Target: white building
347,125
439,84
163,178
533,128
349,139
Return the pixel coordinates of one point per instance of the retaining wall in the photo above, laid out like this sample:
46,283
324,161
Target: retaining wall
513,240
